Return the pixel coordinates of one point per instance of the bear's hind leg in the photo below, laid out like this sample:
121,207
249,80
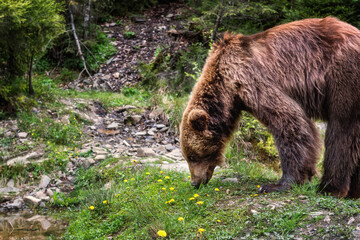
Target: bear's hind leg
341,162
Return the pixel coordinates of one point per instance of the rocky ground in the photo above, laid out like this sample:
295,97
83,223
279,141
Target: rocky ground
153,29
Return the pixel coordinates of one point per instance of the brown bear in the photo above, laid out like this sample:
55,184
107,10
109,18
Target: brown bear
285,77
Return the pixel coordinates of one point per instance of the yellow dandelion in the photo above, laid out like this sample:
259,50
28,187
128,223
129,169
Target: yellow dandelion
199,202
147,173
180,219
161,233
134,160
255,195
61,163
105,202
171,200
201,230
192,198
161,172
258,186
125,180
172,189
167,177
216,189
251,195
164,189
159,180
91,207
189,177
218,220
132,179
207,194
127,187
118,195
196,195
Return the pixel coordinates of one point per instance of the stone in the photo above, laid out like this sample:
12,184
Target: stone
116,75
150,132
32,201
148,160
145,152
17,204
98,150
22,135
113,126
88,162
169,147
41,195
100,157
9,190
44,182
170,15
24,159
231,180
10,183
160,126
351,220
69,166
164,129
138,134
49,192
327,219
134,119
124,108
175,155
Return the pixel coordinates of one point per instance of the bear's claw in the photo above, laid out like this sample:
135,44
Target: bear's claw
268,188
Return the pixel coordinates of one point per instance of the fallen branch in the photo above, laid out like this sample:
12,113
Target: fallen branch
78,44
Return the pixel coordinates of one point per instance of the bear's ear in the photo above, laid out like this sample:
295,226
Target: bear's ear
198,119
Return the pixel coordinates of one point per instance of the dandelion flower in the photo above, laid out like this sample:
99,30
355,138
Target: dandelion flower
164,189
91,207
159,180
118,195
255,195
218,220
171,200
127,187
200,202
192,198
180,219
258,186
105,202
196,195
201,230
132,179
189,177
134,160
216,189
161,233
161,172
167,177
207,194
125,180
172,189
147,173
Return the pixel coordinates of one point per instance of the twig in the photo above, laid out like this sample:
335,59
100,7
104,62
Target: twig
78,44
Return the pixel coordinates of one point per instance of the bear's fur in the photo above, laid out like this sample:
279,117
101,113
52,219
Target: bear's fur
285,77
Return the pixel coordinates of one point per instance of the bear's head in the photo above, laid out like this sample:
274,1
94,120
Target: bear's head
201,148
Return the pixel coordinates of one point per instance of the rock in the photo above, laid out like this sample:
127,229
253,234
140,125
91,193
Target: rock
175,154
24,159
232,180
164,129
159,126
100,157
145,152
148,160
99,151
17,204
254,212
49,192
69,166
88,162
44,182
138,134
32,201
116,75
10,183
169,147
9,190
124,108
170,15
41,195
351,220
134,119
327,219
22,135
113,126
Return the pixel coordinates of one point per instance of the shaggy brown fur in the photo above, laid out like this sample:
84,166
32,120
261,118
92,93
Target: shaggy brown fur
285,77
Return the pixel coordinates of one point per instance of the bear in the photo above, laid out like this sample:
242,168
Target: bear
286,77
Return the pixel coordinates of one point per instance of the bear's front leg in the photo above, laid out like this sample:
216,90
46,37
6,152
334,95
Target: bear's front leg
297,141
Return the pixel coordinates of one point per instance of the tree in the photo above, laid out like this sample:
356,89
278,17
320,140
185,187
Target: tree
26,28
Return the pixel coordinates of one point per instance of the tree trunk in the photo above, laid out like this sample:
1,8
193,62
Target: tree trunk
218,20
31,88
87,19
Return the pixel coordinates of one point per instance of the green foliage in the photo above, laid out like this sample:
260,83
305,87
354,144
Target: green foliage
129,34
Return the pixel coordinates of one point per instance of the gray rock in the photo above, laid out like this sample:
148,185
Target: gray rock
42,196
160,126
113,126
100,157
69,166
233,180
150,132
135,119
49,192
44,182
175,155
138,134
17,204
164,129
116,75
169,147
98,150
9,190
32,201
145,152
22,135
24,159
10,183
88,162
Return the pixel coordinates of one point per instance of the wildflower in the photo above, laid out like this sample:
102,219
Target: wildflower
161,233
132,179
258,186
134,160
164,189
105,202
91,207
216,189
192,198
161,172
171,200
147,173
189,177
180,219
251,195
125,180
218,220
201,230
60,163
159,180
255,195
207,194
118,195
167,177
196,195
200,202
127,187
172,189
